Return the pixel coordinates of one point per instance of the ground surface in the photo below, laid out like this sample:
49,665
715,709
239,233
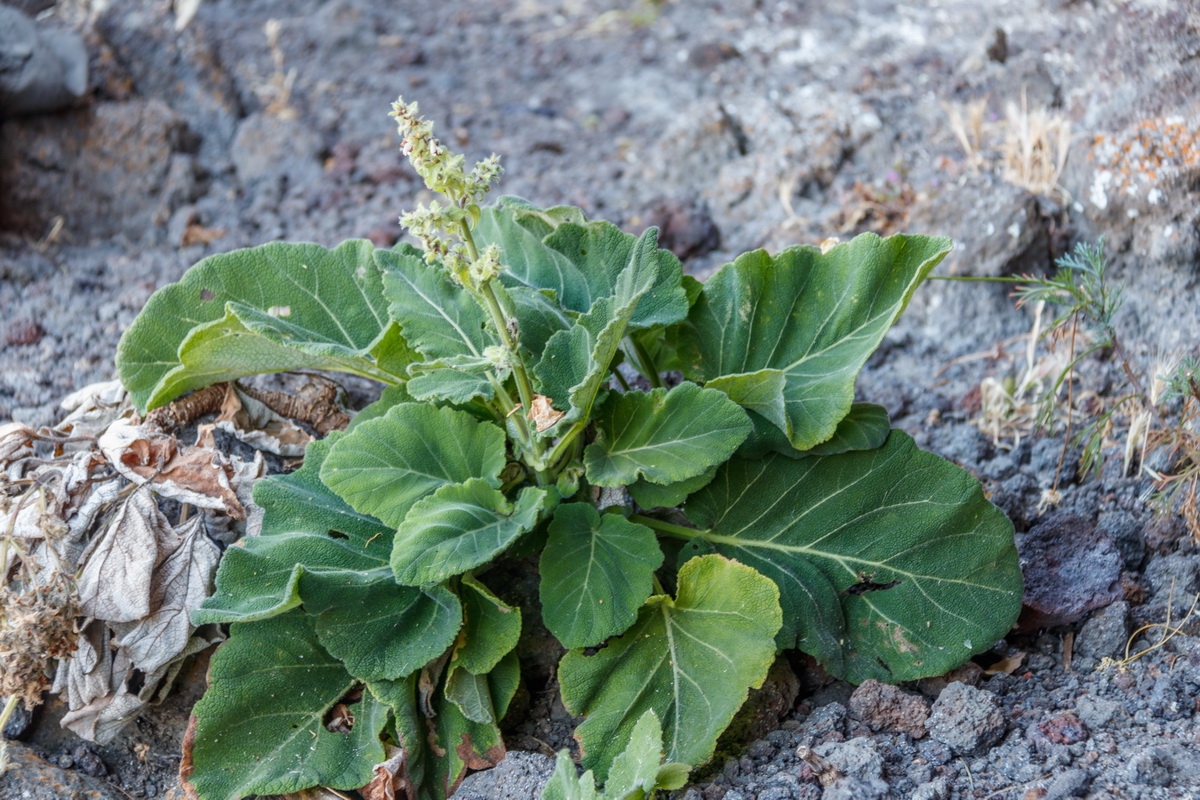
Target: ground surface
733,125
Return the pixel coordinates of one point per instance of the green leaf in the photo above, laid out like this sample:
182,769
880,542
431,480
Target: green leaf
891,563
566,784
450,385
663,436
275,307
596,573
305,526
391,396
439,319
379,630
386,464
441,748
538,318
653,495
634,773
490,631
484,698
812,317
259,729
580,261
692,660
864,428
460,527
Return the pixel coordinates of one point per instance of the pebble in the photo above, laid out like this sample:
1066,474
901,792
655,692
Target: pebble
966,718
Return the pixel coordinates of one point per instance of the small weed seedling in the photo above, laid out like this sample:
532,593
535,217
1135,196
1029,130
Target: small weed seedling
683,531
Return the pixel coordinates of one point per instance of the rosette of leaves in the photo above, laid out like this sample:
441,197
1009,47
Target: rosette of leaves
763,508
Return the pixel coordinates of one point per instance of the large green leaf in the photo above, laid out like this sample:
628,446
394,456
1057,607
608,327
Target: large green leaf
317,551
275,307
891,563
864,428
580,261
652,495
460,527
380,631
305,526
490,631
691,660
260,726
787,335
439,319
386,464
576,361
596,573
664,436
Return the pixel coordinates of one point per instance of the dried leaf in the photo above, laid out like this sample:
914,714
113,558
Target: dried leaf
118,573
389,780
259,426
105,393
181,582
543,414
14,438
1006,665
197,475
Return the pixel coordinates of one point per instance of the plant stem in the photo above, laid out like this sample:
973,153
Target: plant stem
566,441
658,587
668,528
645,363
9,707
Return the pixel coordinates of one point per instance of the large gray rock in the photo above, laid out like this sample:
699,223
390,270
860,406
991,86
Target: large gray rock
520,776
31,777
40,70
966,719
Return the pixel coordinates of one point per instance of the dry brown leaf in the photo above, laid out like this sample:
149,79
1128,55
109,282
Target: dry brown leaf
15,439
181,582
259,426
389,776
195,233
118,570
1006,665
543,414
198,475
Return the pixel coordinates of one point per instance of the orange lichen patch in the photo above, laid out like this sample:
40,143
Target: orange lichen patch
1147,154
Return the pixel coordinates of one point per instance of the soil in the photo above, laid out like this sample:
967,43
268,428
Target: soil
734,125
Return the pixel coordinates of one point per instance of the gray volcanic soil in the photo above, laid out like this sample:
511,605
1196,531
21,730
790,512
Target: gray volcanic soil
733,125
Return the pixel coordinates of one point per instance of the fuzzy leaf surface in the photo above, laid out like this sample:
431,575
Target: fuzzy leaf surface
596,573
691,659
580,261
654,495
387,464
490,631
460,527
439,319
864,428
259,727
664,436
812,317
262,309
891,563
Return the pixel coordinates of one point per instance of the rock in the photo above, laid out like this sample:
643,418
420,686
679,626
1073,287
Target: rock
1103,635
520,776
1072,783
1150,767
272,148
856,758
33,778
826,721
888,708
1096,712
1176,577
966,719
937,789
1060,729
858,789
40,70
1070,569
104,170
24,331
685,228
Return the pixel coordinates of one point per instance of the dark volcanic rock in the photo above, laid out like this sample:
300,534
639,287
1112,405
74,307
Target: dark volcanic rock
1070,568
